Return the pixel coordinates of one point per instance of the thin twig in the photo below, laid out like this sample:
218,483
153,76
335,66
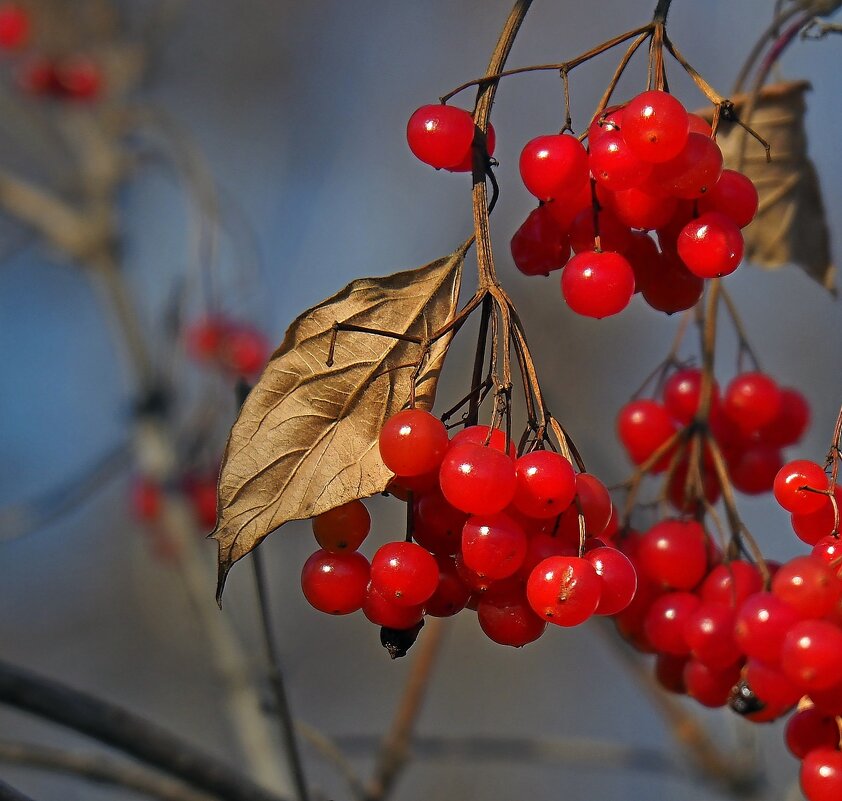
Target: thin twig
329,750
98,768
125,731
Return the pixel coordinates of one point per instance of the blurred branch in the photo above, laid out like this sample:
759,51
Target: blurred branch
97,768
126,732
331,752
8,793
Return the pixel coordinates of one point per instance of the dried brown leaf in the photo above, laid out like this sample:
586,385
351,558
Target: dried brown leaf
306,437
790,227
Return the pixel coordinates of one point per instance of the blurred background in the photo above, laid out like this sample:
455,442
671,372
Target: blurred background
246,160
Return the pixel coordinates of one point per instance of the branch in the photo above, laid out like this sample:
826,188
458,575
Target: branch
125,731
97,768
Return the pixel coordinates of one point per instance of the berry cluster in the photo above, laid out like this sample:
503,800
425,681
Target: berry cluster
751,422
228,345
490,531
649,166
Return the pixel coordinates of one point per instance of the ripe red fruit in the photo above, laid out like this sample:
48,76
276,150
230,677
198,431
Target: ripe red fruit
79,78
595,502
791,483
693,172
709,632
754,470
479,435
809,586
682,394
613,235
508,619
770,685
404,573
669,673
597,284
731,583
643,426
440,135
566,207
762,623
675,288
467,164
493,546
335,583
619,579
643,256
638,209
791,421
451,595
438,525
733,195
564,590
413,442
666,621
477,479
545,484
609,120
540,246
203,338
810,729
674,554
615,165
553,165
383,611
811,653
708,686
243,350
821,775
711,245
655,126
14,26
343,528
751,401
813,526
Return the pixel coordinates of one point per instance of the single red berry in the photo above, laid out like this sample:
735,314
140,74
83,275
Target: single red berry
203,339
14,26
615,165
485,435
638,209
754,470
731,583
699,124
829,550
791,421
202,495
655,126
343,528
709,632
467,164
438,525
413,442
493,546
508,619
666,620
597,284
674,554
540,246
243,350
682,394
440,135
751,401
770,685
37,76
566,207
673,288
335,583
761,625
794,485
553,165
821,775
733,195
542,546
669,672
451,595
546,484
613,235
595,503
477,479
811,654
693,172
564,590
708,686
384,611
404,573
813,526
810,729
711,245
618,576
609,120
809,586
643,426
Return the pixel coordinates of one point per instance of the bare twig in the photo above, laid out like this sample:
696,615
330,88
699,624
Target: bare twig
98,768
125,731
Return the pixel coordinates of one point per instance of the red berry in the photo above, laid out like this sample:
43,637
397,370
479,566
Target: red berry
566,207
821,775
809,586
553,165
546,484
793,485
808,730
699,124
613,235
440,135
638,209
508,619
731,583
673,288
542,546
609,120
451,595
383,611
335,583
708,686
615,165
243,350
146,499
770,685
493,546
564,590
467,164
595,502
682,394
79,78
655,126
813,526
597,284
733,195
484,435
711,245
811,655
477,479
751,401
669,672
343,528
438,525
693,172
404,573
762,623
644,426
413,442
709,632
791,421
14,26
674,554
203,338
619,579
539,246
755,469
666,620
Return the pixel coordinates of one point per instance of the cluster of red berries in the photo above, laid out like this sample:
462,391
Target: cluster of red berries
72,77
228,345
751,423
649,166
491,531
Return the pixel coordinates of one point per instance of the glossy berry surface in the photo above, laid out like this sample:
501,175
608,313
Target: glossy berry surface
451,595
413,442
682,394
597,284
404,573
540,246
619,579
553,165
477,479
711,245
493,546
808,585
694,171
643,426
343,528
810,655
821,775
655,126
564,590
733,195
666,620
440,135
674,554
545,484
384,611
810,729
335,583
484,435
615,165
793,485
509,619
762,623
751,400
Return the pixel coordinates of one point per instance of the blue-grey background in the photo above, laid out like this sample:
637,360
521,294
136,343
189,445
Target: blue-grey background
300,109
